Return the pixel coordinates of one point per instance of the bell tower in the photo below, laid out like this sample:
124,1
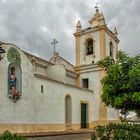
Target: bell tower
96,41
93,44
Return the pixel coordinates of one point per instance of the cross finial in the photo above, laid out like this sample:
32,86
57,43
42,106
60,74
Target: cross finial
97,8
54,42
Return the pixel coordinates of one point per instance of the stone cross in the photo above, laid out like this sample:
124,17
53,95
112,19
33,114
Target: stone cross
54,43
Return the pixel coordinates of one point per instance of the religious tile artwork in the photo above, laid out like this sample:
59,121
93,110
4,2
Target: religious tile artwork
13,55
14,75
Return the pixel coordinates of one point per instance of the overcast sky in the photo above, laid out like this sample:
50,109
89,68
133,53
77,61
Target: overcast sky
32,24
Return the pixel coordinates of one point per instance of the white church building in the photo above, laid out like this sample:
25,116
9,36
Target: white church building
37,95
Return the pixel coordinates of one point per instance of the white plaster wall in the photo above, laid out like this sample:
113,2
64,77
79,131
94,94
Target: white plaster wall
70,80
40,70
93,85
82,50
112,114
108,39
35,107
57,72
15,112
87,59
97,46
54,102
107,44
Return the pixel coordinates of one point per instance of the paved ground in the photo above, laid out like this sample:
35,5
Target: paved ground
85,136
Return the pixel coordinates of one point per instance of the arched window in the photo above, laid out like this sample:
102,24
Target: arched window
89,46
68,111
111,49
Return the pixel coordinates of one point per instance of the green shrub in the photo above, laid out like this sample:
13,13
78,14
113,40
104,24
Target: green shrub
8,136
120,131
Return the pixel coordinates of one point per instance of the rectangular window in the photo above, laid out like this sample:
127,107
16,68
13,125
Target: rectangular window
42,88
85,83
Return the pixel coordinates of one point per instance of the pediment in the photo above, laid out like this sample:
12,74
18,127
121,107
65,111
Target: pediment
95,20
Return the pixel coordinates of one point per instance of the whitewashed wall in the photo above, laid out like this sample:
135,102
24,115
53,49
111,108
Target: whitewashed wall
93,85
35,107
70,80
57,72
87,59
112,114
108,39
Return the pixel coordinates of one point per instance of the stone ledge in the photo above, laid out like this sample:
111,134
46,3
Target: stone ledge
67,132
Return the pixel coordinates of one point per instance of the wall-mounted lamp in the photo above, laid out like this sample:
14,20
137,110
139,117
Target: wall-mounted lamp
2,52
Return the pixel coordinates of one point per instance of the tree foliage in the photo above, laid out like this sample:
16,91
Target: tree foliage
9,136
121,85
120,131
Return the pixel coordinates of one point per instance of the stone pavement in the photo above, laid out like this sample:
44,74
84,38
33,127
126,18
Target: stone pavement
66,135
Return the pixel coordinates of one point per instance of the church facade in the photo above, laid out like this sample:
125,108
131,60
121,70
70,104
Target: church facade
41,96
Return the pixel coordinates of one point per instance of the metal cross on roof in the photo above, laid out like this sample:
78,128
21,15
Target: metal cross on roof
54,42
97,7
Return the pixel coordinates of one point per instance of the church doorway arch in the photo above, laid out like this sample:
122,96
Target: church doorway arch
68,111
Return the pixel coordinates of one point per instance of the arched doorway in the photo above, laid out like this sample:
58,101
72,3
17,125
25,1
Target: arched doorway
68,111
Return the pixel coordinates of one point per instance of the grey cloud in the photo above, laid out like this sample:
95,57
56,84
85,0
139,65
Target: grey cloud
32,24
125,15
